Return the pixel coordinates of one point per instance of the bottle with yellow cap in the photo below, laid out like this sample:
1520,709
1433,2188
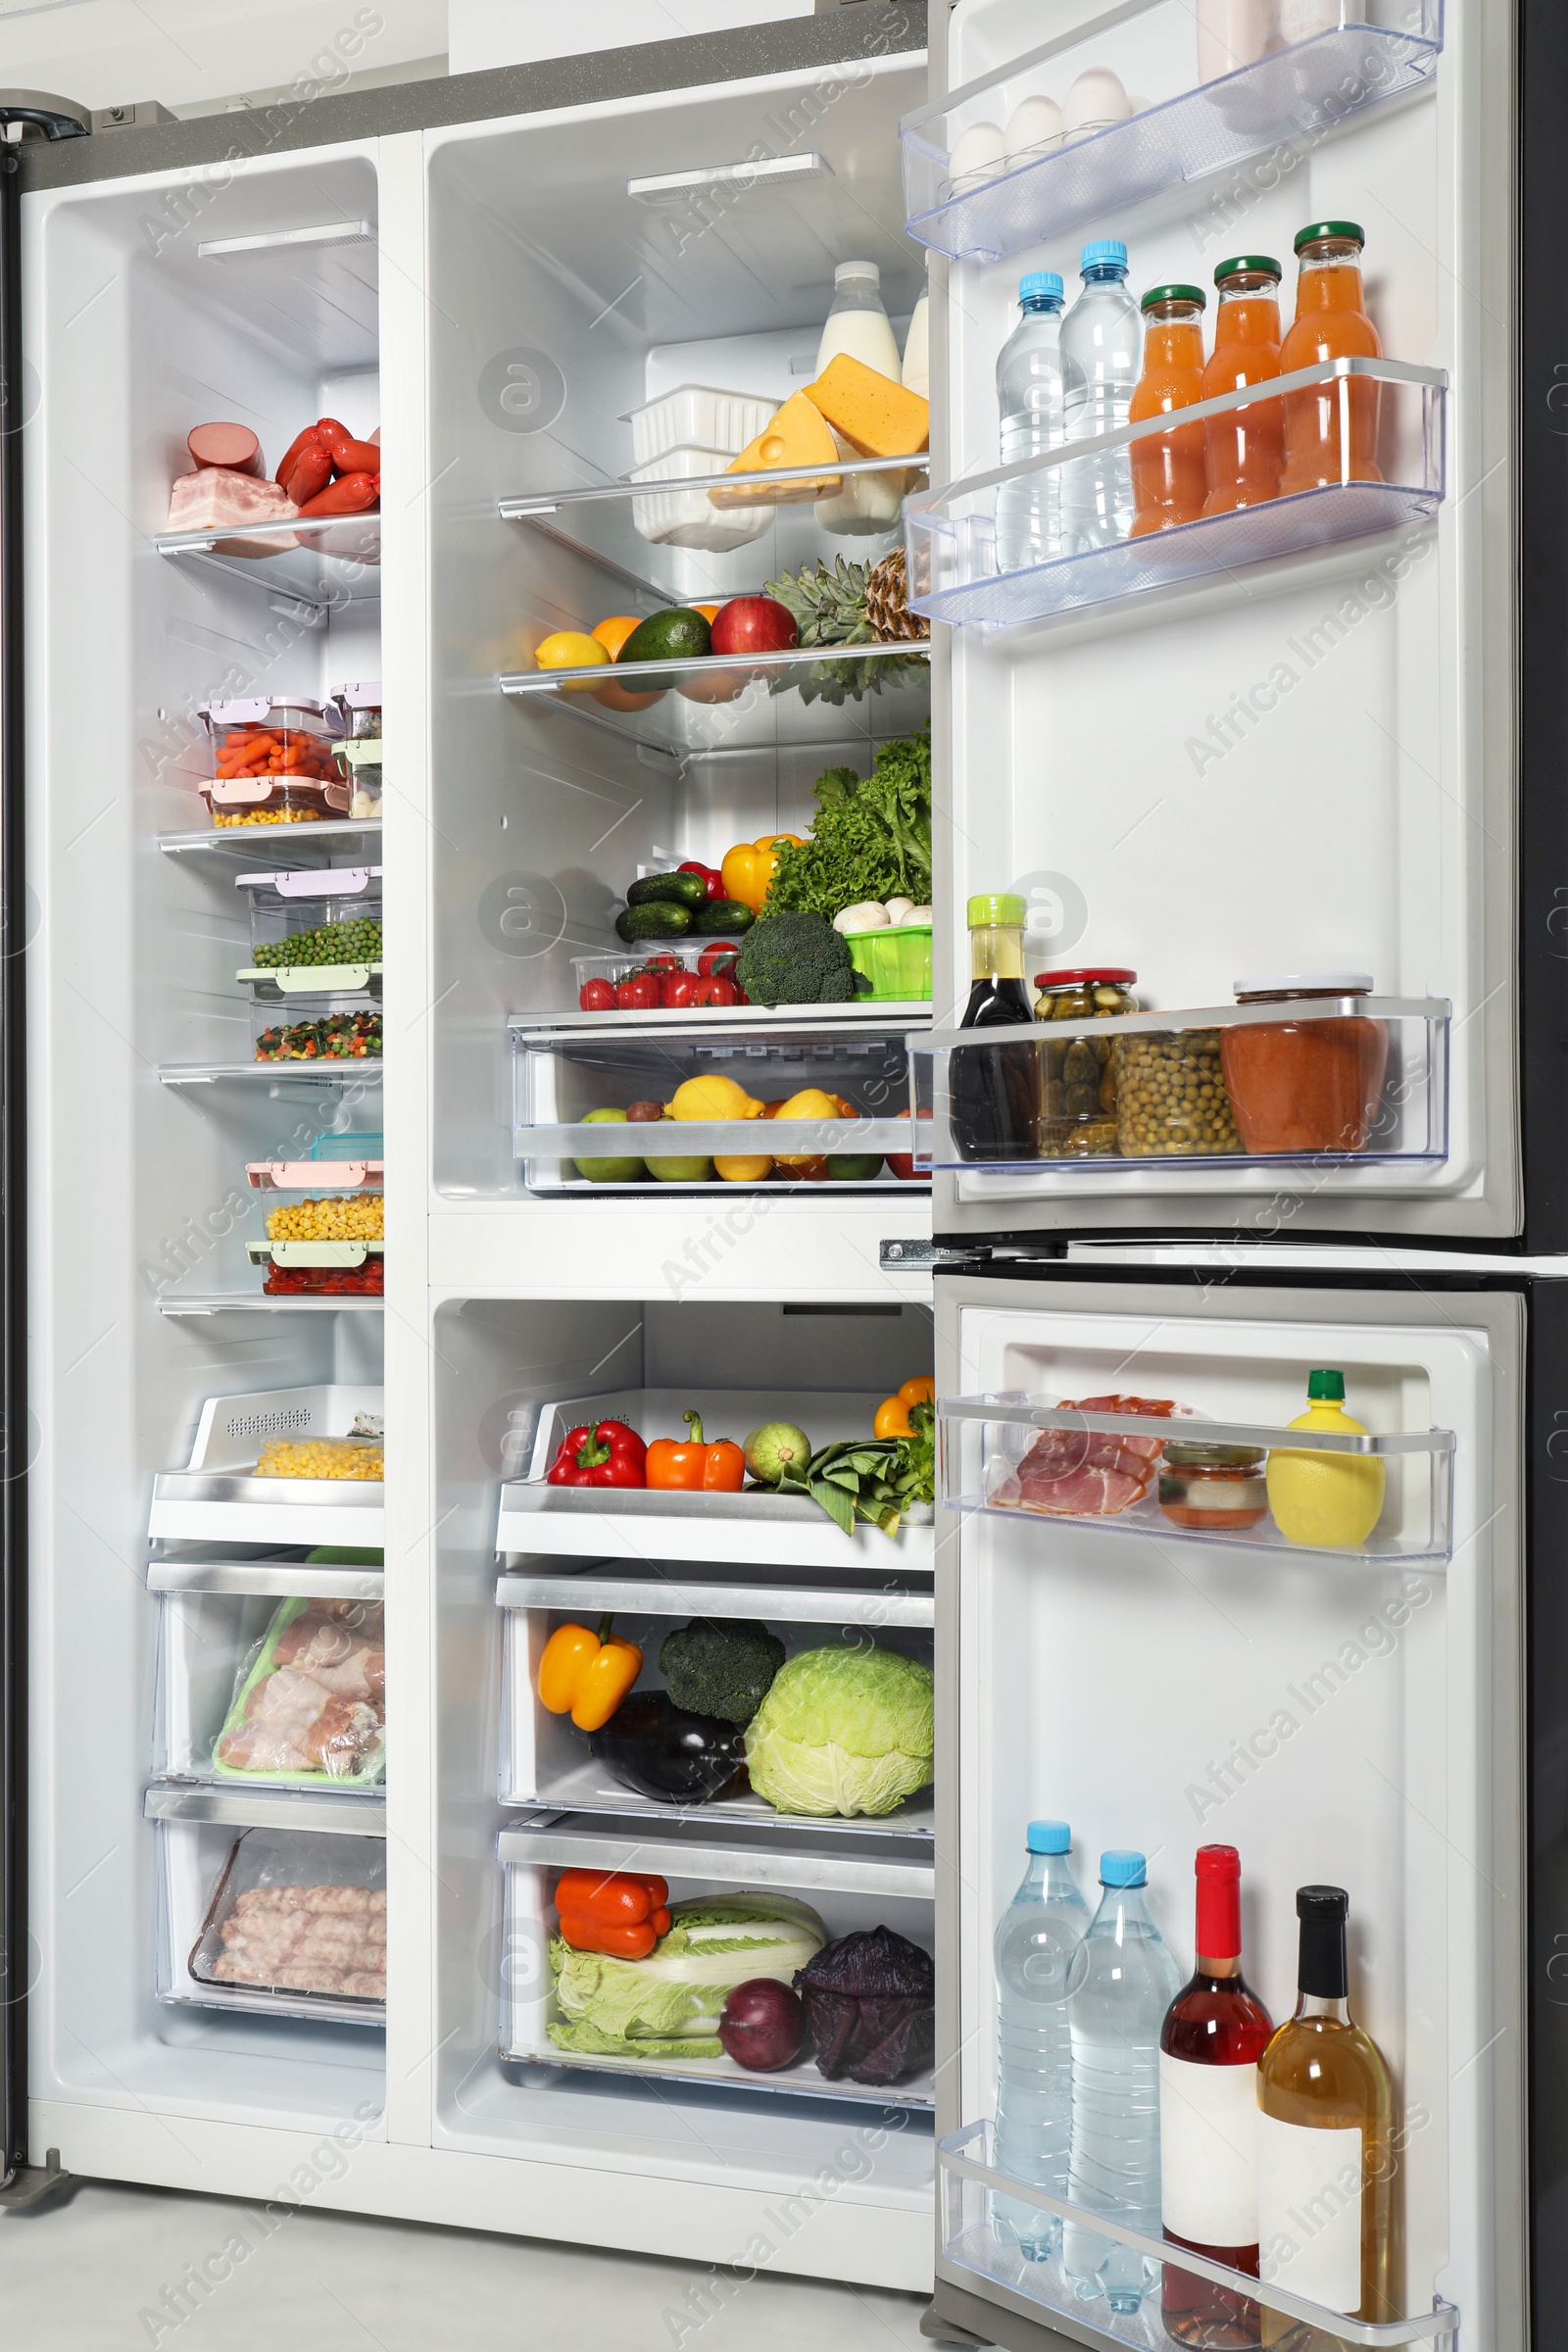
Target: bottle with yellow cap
997,1097
1330,1500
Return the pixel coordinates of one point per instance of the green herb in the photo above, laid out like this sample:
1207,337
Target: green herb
870,839
916,1475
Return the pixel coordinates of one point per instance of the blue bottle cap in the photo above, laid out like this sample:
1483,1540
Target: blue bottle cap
1049,1837
1041,284
1103,249
1120,1868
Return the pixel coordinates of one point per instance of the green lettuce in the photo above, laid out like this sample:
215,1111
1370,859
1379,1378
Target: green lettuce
669,2005
843,1731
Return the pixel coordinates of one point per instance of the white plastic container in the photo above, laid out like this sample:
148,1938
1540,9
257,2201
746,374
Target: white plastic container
686,517
696,417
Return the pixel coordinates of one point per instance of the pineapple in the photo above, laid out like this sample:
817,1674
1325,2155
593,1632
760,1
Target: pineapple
887,606
850,603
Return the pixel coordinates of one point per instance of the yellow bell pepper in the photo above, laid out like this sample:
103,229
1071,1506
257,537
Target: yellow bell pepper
587,1674
713,1097
748,867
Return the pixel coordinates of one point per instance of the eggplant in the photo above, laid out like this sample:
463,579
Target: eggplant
666,1753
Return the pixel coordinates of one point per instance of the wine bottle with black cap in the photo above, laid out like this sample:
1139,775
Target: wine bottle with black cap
1324,2132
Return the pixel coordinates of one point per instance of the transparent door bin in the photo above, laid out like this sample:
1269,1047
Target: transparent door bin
848,1892
1382,426
1201,107
974,2248
272,1689
1051,1465
268,1466
284,1915
561,1076
546,1762
1174,1105
315,934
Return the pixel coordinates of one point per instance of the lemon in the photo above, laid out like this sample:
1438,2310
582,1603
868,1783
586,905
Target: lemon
1330,1500
712,1096
570,649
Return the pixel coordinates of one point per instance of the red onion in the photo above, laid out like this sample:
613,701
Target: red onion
763,2024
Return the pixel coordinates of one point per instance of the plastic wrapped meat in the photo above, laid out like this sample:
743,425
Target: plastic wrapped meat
312,1701
1086,1474
217,495
306,1939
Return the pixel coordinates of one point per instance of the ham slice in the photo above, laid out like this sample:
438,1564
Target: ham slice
216,497
1086,1474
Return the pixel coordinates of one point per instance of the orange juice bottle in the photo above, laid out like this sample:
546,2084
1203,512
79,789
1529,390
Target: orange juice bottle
1247,447
1331,324
1170,478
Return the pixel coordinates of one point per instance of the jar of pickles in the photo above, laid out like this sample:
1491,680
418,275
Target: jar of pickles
1171,1101
1080,1072
1222,1489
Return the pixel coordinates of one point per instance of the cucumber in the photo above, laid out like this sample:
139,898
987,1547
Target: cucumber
715,918
679,890
658,919
678,635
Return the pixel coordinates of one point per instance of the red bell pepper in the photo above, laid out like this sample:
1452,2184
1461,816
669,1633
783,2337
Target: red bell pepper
710,873
602,1454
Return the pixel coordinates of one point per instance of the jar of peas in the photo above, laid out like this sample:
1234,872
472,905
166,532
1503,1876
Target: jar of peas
1080,1072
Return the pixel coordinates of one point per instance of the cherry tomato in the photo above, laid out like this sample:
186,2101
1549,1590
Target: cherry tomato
679,990
663,963
719,989
596,995
719,957
639,993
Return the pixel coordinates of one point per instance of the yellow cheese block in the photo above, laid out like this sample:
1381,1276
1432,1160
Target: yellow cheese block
874,414
796,436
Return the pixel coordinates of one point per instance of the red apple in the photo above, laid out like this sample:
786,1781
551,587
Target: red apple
754,624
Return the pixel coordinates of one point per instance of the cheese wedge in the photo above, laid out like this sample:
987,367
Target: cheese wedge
875,416
796,436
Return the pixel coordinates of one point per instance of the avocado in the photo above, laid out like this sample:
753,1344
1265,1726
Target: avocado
678,635
679,890
717,918
660,919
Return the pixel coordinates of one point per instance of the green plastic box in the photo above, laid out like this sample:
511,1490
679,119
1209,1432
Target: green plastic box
895,958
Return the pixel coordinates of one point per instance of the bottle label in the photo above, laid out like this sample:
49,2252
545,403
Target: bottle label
1310,2211
1208,2152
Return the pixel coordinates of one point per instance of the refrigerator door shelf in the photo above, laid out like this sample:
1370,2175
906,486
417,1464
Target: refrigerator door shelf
972,2246
983,1439
329,560
1214,109
1405,1128
951,535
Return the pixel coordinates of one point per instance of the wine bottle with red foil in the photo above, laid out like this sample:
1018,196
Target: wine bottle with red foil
1214,2033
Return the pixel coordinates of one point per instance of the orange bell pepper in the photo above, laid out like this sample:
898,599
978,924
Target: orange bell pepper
619,1912
587,1675
892,1420
692,1466
922,1390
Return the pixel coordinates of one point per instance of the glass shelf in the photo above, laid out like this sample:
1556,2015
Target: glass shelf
720,705
984,1440
334,561
1192,129
224,1302
970,2191
532,505
275,845
275,1073
950,536
1188,1088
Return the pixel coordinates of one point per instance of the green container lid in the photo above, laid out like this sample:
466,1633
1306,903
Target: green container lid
1325,1388
997,907
1328,228
1263,263
1173,294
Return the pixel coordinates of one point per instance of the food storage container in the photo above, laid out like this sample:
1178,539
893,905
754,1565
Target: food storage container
360,1457
272,761
271,1901
352,1159
895,958
336,1037
1221,1488
358,754
1171,1101
1304,1085
329,1242
696,417
685,517
1080,1072
316,932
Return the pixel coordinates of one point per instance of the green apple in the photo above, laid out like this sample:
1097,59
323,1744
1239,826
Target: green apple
608,1171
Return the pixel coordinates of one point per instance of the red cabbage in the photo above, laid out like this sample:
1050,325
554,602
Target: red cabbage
870,2006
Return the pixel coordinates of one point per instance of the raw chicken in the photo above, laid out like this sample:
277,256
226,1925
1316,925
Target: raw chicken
320,1706
216,495
306,1939
1086,1474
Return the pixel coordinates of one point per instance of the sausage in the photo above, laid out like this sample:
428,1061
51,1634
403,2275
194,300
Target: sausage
312,472
232,445
348,455
309,439
352,494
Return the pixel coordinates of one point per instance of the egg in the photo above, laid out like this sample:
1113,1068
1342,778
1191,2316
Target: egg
1096,98
978,155
1032,127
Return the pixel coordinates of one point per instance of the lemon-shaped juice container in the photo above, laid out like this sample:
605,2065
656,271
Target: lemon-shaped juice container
1330,1500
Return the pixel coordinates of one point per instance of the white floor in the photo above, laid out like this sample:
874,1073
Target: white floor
91,2275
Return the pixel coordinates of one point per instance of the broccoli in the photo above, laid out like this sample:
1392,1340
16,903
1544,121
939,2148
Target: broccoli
720,1666
795,959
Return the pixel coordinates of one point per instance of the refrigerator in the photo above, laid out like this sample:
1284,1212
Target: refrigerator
1320,739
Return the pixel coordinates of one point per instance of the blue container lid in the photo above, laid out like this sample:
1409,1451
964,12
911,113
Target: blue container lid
1049,1837
1100,250
1041,284
1122,1867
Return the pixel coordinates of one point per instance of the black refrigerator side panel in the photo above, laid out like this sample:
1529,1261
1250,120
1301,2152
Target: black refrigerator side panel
1547,1650
1543,623
14,1419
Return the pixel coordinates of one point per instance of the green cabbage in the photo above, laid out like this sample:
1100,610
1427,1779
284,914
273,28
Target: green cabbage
843,1731
669,2005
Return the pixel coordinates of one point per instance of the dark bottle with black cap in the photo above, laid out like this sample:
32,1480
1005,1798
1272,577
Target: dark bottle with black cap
1324,2132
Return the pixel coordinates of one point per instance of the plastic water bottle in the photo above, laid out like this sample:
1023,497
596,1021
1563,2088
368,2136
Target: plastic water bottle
1029,395
1102,352
1122,1981
1035,1941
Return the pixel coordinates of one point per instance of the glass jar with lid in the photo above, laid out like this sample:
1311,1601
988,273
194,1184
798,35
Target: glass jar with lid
1080,1072
1300,1085
1219,1488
